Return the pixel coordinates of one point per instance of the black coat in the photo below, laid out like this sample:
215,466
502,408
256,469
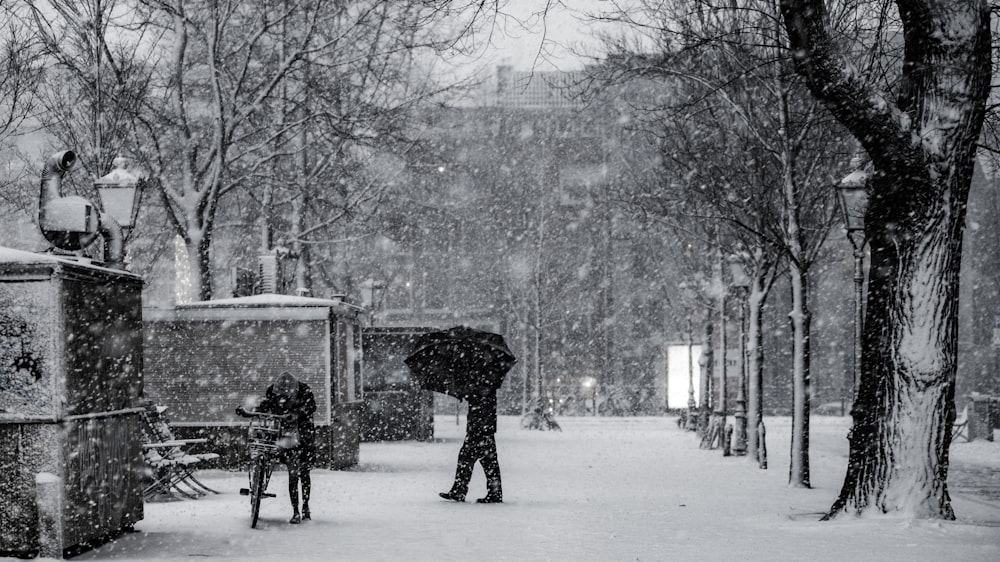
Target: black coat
482,414
302,407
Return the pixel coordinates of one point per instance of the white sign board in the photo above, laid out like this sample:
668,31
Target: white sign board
678,368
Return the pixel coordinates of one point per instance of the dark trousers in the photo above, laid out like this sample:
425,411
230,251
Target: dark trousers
298,472
482,448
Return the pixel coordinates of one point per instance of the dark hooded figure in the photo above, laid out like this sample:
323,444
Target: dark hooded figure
480,445
289,397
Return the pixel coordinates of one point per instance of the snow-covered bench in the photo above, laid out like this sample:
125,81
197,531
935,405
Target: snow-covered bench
171,468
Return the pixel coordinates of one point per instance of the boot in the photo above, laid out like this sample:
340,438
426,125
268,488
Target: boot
494,490
305,512
293,495
453,496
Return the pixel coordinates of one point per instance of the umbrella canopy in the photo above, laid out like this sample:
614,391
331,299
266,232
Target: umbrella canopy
460,361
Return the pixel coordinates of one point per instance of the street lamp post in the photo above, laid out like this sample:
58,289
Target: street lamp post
741,285
853,193
722,403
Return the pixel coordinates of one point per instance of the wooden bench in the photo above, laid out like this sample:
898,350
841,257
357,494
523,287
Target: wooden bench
960,429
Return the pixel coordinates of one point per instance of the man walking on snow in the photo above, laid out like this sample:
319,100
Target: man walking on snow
479,445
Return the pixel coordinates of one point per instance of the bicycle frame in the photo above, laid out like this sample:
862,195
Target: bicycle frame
263,434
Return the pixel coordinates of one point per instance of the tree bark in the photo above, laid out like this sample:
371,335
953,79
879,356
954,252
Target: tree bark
707,365
755,368
923,149
199,265
799,318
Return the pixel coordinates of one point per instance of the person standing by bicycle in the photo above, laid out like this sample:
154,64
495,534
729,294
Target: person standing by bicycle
292,398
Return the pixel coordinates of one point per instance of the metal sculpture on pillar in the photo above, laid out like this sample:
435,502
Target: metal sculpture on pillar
853,192
71,223
741,286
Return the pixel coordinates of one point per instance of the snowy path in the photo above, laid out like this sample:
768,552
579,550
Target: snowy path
603,489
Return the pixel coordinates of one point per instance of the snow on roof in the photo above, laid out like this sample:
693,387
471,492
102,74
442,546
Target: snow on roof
268,300
12,256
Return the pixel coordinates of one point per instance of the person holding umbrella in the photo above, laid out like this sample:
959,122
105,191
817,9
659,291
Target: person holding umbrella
468,364
479,445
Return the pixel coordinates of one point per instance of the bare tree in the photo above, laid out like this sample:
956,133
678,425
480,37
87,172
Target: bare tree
96,76
769,186
221,67
919,121
20,73
213,126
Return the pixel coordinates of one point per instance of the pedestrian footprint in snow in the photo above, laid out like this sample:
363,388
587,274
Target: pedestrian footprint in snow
479,445
288,397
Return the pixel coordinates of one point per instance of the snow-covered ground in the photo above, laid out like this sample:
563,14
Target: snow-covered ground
603,489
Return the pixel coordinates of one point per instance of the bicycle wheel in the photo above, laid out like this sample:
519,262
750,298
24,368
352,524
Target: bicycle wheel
257,486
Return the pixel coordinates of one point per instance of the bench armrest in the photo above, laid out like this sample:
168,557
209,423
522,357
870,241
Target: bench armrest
173,443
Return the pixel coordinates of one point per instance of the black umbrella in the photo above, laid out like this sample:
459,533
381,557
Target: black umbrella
460,360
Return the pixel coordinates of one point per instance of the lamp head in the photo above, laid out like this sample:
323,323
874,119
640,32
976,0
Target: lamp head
853,195
120,192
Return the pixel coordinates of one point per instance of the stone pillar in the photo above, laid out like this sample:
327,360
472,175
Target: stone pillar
49,502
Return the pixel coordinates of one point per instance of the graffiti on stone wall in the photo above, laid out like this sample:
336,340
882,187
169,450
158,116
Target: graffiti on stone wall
24,342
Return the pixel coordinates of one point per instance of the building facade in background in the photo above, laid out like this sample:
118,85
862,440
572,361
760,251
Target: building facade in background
508,216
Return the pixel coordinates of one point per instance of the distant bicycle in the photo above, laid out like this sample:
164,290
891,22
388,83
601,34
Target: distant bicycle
264,445
539,419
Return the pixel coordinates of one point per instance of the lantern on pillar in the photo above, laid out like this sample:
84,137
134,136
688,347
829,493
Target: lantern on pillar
120,192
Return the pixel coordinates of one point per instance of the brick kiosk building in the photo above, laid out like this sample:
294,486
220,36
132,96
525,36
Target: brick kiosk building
204,359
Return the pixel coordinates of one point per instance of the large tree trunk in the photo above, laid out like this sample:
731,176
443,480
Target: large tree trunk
923,149
199,264
905,402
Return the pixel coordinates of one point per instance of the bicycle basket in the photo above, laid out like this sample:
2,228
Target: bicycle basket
262,436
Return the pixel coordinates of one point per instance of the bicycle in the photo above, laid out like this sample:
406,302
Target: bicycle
264,435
